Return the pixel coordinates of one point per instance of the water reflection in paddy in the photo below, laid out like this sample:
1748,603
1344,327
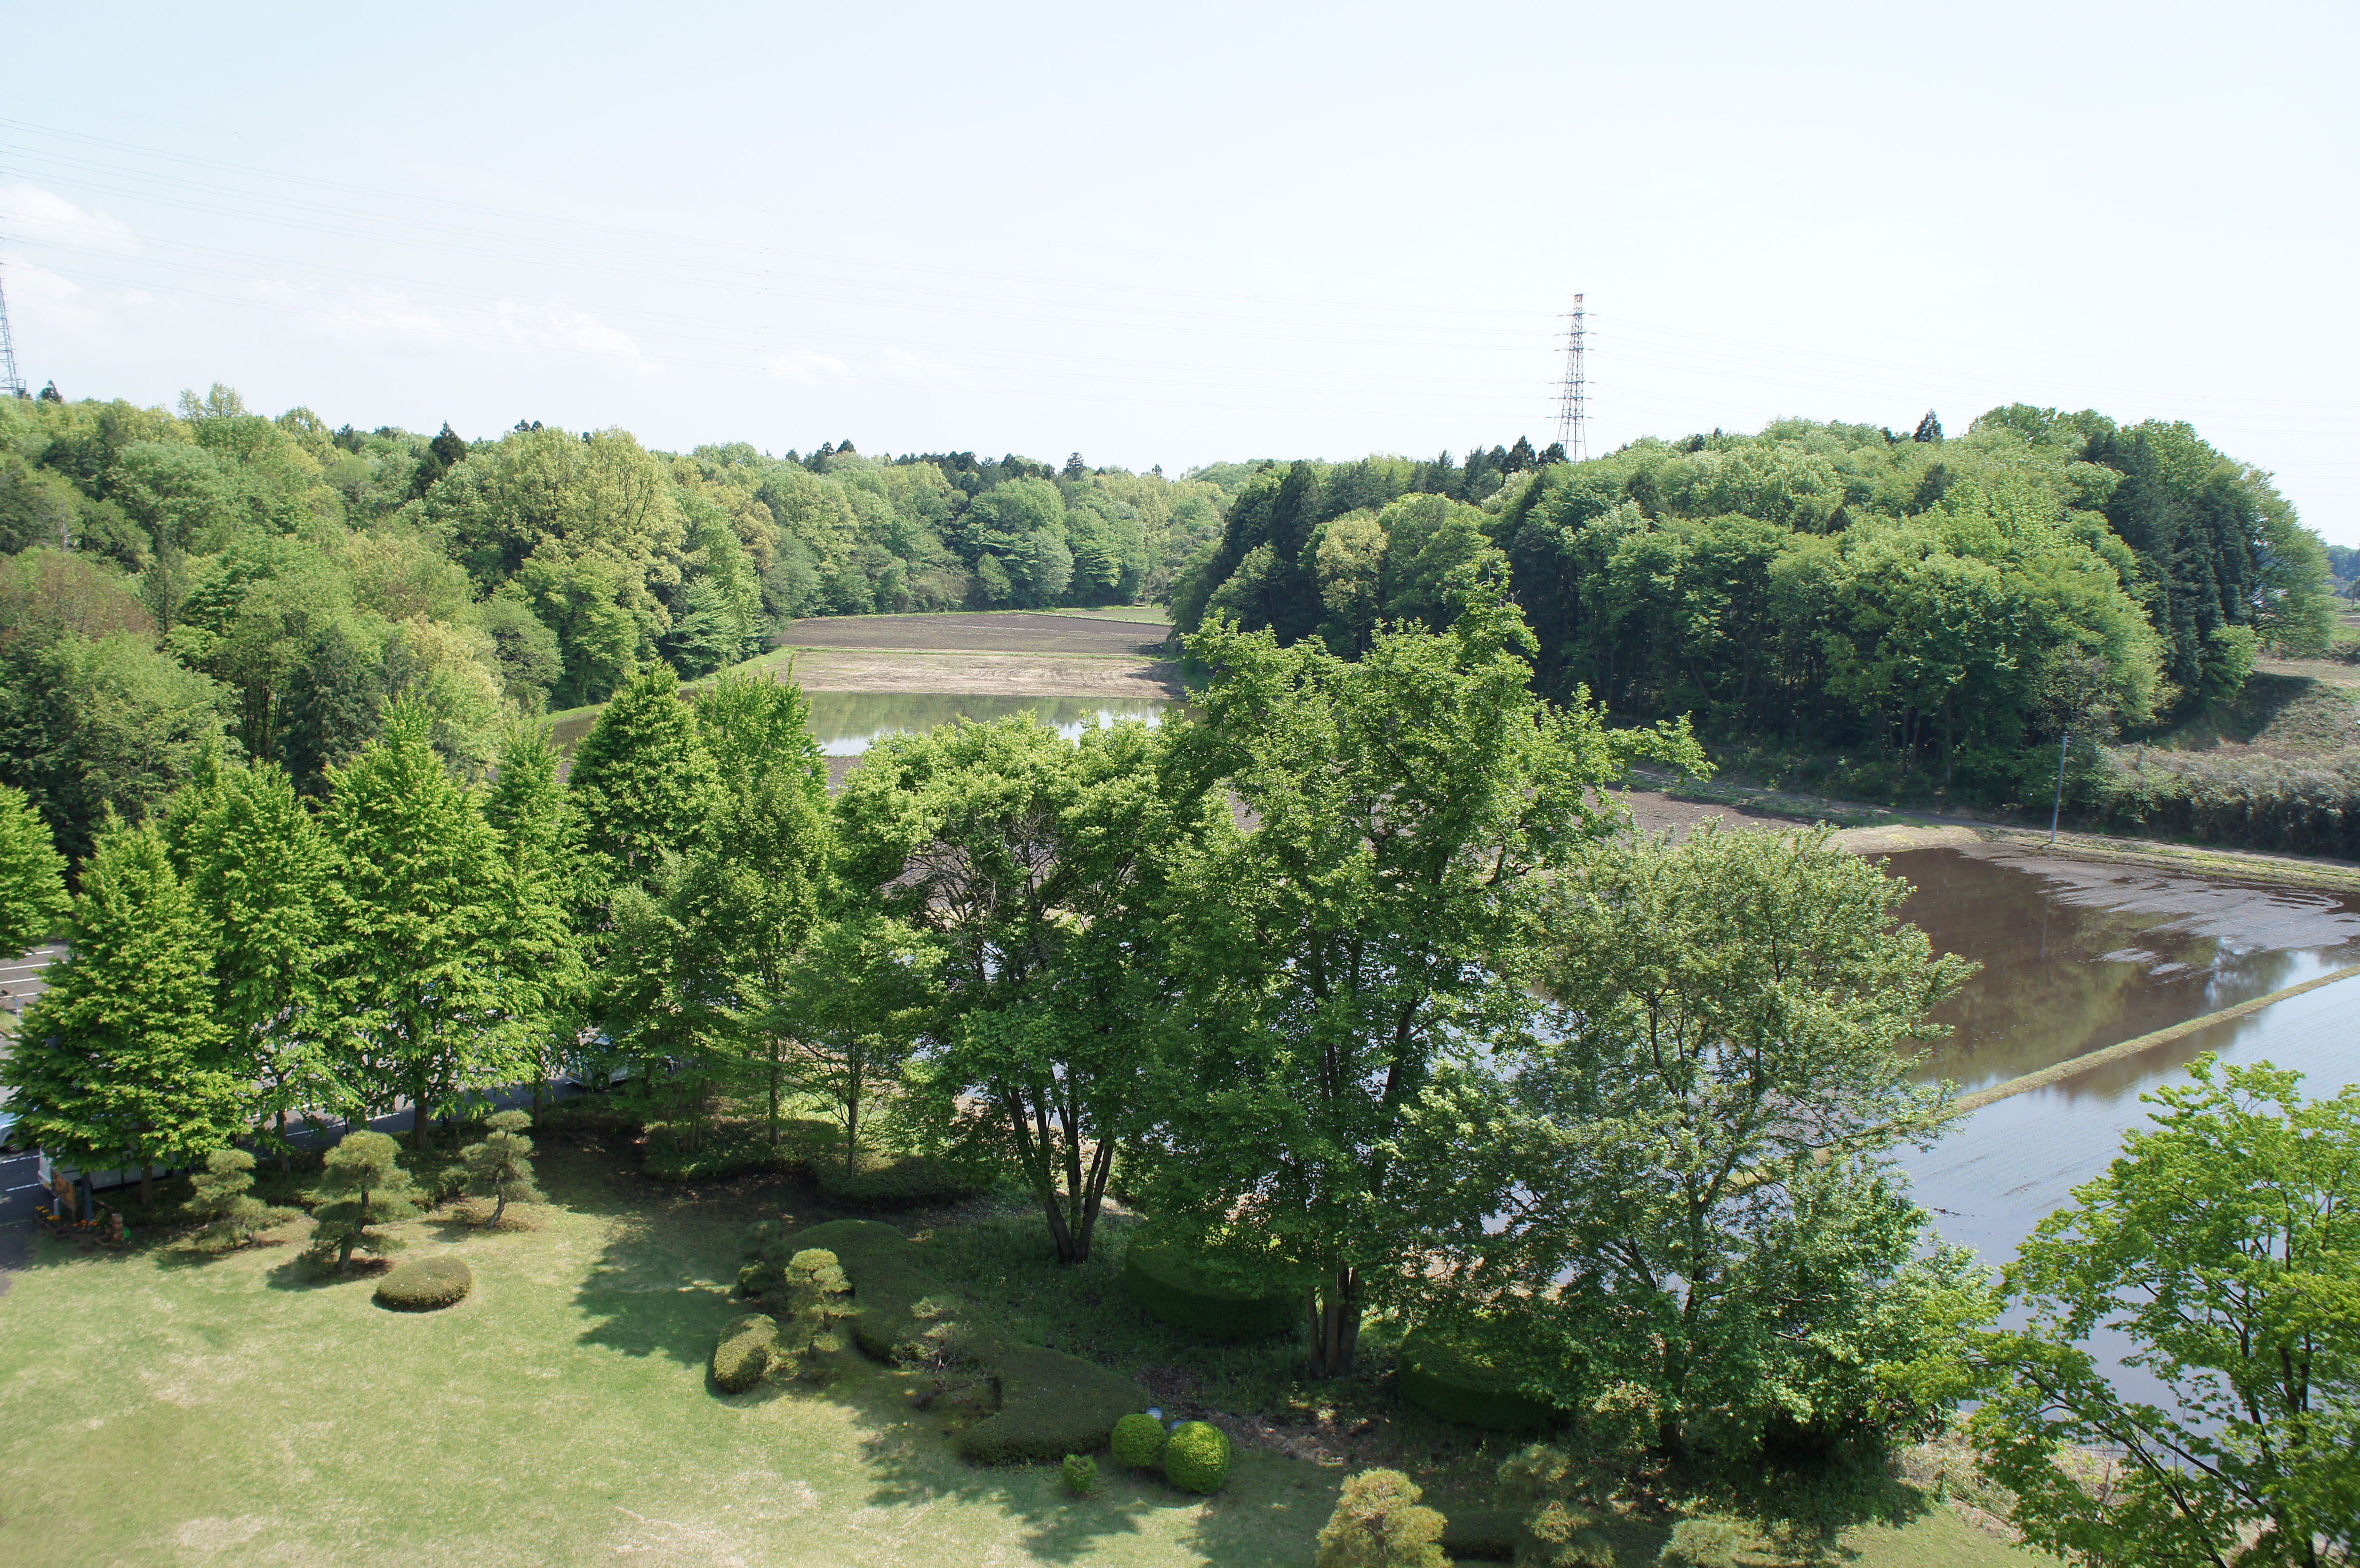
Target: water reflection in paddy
2078,956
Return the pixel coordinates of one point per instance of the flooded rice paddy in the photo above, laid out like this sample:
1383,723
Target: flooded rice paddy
2076,957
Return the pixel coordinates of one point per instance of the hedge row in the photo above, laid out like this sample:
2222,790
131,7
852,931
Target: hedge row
1051,1404
1474,1378
1167,1281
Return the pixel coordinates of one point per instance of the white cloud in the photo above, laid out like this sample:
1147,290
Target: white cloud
31,215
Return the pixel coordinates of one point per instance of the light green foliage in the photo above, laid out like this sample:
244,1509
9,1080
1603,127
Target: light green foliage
223,1198
361,1186
1692,1149
1411,808
1377,1523
2224,1241
500,1166
1034,861
1197,1457
1558,1504
1138,1441
119,1060
32,875
853,1006
642,783
430,1003
1080,1473
258,865
533,897
1702,1543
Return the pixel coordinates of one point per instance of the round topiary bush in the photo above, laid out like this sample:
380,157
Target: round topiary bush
1138,1441
424,1284
1165,1280
1197,1457
1081,1474
743,1357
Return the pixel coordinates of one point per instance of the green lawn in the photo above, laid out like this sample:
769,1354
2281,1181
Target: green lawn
156,1408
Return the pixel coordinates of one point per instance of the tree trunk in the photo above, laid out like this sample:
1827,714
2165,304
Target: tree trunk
418,1124
286,1164
774,1094
500,1203
1336,1324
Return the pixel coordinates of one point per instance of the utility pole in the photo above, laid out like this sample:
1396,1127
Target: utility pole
1573,392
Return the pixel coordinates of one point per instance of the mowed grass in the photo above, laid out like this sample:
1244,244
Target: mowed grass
161,1408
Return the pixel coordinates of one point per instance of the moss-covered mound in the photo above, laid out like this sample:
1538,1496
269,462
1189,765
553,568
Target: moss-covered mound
1472,1378
1167,1282
424,1284
1051,1404
743,1357
1138,1441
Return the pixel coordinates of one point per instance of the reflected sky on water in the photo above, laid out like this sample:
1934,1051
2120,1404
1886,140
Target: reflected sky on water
848,724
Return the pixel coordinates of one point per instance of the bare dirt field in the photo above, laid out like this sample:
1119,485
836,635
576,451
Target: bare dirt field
990,632
1030,674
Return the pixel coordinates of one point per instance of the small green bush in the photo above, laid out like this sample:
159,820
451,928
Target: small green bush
1139,1442
424,1285
1164,1280
1081,1474
1472,1377
1377,1523
742,1358
1197,1457
1702,1543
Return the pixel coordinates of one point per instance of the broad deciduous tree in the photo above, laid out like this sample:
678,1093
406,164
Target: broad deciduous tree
2224,1241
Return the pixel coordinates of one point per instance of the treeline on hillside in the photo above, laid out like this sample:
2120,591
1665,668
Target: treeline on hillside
169,574
1949,599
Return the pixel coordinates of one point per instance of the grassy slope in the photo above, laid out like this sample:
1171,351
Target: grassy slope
165,1408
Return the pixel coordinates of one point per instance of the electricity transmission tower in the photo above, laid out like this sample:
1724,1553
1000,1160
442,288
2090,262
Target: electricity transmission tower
1573,392
12,385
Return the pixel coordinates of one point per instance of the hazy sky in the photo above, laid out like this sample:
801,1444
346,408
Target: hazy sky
1194,232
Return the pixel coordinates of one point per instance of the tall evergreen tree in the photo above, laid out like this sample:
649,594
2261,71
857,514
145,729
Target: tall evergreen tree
643,782
120,1059
32,875
430,1003
258,865
533,895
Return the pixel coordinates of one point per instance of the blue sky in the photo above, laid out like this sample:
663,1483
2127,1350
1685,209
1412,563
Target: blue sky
1188,233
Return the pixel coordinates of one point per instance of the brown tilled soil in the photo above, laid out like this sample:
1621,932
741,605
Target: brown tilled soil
1031,674
1010,632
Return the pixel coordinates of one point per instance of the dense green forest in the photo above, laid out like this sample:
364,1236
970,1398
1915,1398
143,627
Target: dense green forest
1941,607
1941,600
172,574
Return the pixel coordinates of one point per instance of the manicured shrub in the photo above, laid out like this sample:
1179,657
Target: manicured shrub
1139,1442
362,1184
1378,1524
1051,1403
1197,1457
816,1289
1472,1377
222,1195
1702,1543
1081,1474
889,1286
731,1151
1165,1280
742,1358
500,1166
425,1284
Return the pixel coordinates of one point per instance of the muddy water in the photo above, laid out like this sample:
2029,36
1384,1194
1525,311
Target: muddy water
847,723
2076,957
